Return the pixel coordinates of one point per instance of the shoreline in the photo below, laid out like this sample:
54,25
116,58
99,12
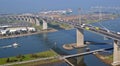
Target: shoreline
40,63
27,34
49,59
103,59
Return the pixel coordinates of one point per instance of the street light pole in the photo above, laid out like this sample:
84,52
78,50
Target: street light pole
79,13
100,14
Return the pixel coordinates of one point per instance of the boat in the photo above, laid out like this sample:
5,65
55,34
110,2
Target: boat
15,45
87,49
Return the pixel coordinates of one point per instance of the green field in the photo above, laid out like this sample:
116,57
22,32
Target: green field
26,57
109,57
61,25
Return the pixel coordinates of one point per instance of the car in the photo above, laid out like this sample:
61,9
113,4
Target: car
97,28
83,25
118,32
108,31
87,28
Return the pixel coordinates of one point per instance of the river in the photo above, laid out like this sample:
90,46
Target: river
45,41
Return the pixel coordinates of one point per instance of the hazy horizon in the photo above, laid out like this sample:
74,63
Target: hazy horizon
19,6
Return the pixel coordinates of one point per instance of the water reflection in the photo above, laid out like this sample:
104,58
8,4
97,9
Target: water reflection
45,37
78,61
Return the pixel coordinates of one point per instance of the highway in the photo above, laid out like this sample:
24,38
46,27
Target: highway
98,30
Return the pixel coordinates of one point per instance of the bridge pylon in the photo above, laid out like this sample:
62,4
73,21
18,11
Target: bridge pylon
37,22
80,38
44,24
116,53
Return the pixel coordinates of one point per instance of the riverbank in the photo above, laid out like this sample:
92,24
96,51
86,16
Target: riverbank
41,63
27,34
31,59
106,59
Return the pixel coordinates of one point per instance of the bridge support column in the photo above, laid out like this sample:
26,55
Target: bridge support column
44,25
37,22
27,20
80,38
116,53
22,18
30,20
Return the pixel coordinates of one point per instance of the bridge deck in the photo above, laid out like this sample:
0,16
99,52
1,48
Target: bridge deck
85,53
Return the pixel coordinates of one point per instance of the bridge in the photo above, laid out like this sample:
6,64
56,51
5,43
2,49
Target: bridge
25,17
80,28
101,31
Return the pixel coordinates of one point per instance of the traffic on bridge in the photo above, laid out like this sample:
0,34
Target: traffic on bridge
107,33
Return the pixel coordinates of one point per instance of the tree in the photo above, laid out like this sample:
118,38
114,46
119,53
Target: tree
8,60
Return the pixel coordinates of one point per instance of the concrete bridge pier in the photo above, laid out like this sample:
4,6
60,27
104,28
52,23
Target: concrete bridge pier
27,19
22,18
80,38
44,25
79,43
37,22
116,53
31,20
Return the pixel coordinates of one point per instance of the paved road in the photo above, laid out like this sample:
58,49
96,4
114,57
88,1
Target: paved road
101,31
40,59
98,30
85,53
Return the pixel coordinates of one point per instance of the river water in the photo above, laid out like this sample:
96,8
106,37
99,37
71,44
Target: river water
45,41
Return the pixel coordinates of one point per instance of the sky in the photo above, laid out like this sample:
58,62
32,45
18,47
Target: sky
18,6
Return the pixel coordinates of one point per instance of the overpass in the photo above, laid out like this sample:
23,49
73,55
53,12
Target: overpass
80,36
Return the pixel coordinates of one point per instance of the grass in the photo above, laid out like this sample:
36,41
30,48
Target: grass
37,27
106,59
38,63
64,26
109,57
26,57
